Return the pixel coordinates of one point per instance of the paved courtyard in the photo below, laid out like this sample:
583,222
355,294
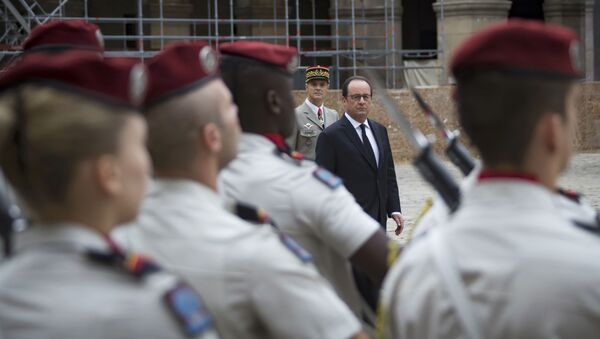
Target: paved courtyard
582,176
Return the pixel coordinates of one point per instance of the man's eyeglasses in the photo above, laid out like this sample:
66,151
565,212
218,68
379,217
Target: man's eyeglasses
357,97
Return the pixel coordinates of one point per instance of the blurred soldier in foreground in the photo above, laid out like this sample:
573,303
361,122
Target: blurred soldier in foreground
312,116
73,148
509,264
257,283
54,37
306,202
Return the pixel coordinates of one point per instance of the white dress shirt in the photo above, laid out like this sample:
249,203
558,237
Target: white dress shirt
369,133
314,108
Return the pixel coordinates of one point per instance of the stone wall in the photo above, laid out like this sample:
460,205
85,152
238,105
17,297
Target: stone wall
439,98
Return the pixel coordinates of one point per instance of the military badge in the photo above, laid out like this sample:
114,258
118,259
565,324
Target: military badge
328,178
138,84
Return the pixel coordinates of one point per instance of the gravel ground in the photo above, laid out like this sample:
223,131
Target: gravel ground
582,176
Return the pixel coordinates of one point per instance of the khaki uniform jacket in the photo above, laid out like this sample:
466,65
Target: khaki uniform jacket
309,128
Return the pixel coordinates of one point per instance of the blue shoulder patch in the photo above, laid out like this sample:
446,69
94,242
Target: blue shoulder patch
187,307
296,248
328,178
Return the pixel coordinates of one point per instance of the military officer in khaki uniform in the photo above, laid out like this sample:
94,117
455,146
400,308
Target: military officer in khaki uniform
312,116
78,161
256,282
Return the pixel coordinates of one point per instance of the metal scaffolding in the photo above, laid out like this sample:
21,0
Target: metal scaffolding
348,40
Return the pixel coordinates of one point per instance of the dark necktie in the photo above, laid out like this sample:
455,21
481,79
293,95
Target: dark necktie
367,143
320,115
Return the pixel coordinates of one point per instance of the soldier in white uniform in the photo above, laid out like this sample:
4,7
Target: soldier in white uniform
509,264
257,282
54,36
78,161
312,116
305,201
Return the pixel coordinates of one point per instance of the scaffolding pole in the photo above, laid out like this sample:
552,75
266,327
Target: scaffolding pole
140,28
287,24
298,47
162,31
353,40
275,30
337,45
393,45
314,29
231,19
217,23
387,41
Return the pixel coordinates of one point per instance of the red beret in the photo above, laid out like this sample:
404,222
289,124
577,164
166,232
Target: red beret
112,80
180,67
525,46
282,57
76,34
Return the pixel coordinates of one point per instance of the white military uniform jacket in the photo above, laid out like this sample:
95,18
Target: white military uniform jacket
527,271
254,286
51,289
306,202
309,128
575,208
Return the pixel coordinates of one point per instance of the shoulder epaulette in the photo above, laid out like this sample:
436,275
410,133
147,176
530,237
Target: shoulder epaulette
294,157
570,194
251,213
258,215
137,265
329,179
593,227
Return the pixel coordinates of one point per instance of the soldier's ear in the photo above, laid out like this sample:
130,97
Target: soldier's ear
210,137
551,126
107,174
273,102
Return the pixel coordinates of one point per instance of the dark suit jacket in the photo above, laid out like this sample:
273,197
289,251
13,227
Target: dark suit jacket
340,150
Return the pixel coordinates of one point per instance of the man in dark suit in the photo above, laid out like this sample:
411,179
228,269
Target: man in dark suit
357,149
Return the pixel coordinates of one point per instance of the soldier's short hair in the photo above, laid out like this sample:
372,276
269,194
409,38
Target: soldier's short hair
499,111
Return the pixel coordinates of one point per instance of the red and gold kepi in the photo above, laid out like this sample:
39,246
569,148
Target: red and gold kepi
317,73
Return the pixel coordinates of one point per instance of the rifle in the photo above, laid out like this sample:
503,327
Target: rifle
426,162
6,226
456,152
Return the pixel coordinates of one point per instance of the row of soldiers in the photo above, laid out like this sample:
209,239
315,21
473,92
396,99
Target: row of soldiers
81,134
